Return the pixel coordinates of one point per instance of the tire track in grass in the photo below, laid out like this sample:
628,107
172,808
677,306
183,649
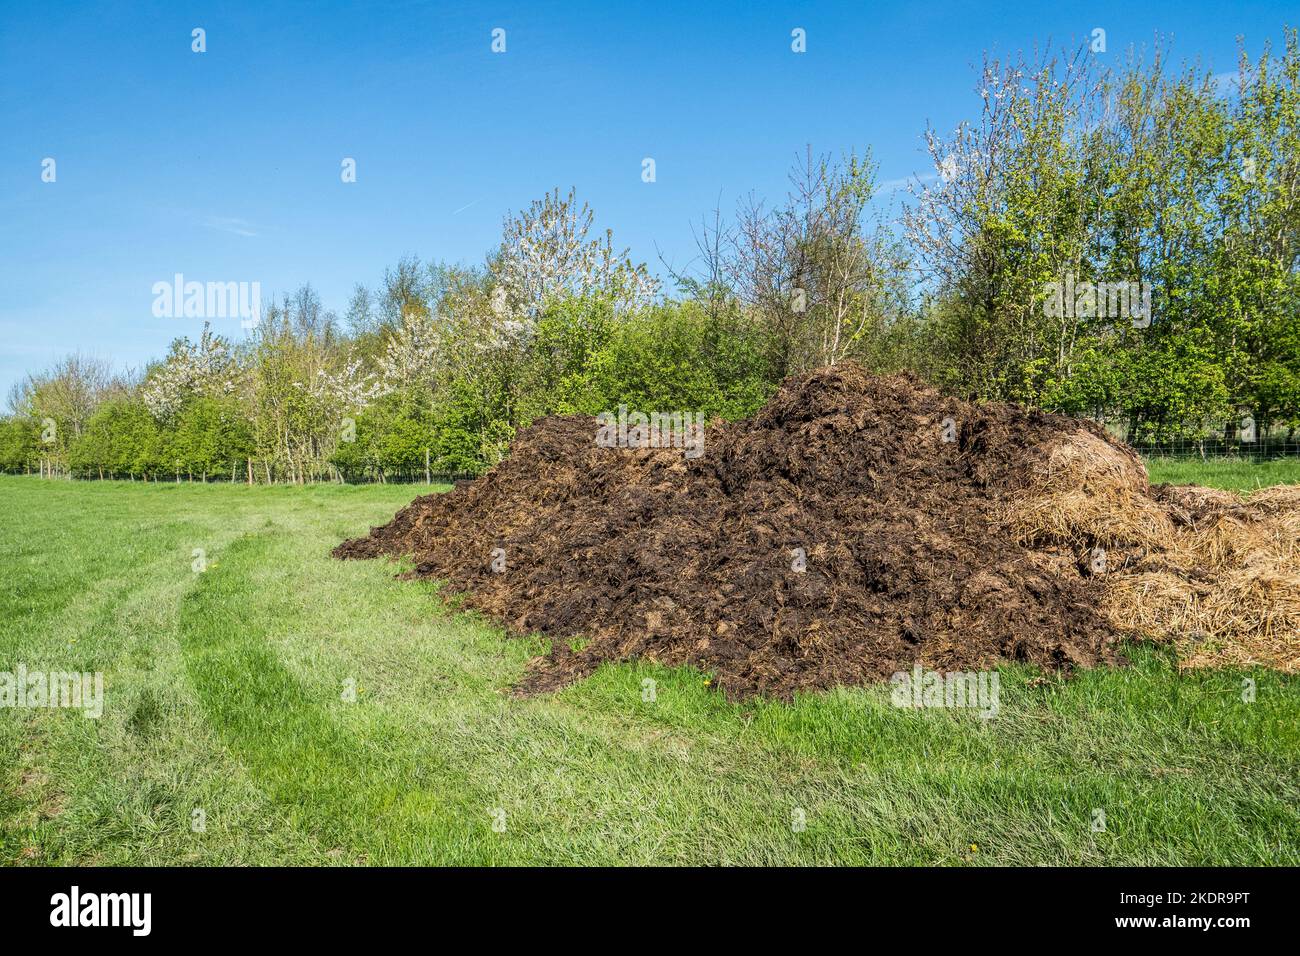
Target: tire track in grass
100,588
352,792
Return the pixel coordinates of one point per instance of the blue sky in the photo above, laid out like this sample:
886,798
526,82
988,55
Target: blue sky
225,165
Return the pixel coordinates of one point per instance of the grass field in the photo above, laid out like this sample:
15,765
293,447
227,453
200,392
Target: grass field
1243,476
224,705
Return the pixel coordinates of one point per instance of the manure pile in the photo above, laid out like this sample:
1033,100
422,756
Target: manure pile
857,526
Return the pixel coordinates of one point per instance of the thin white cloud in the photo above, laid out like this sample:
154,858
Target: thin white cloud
894,185
232,225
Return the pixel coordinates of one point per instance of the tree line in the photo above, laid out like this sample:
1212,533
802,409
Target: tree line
1119,243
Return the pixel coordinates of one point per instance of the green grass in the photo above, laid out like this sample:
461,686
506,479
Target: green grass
224,693
1230,474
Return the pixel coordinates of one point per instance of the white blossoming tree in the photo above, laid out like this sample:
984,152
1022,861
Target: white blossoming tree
411,354
204,369
547,251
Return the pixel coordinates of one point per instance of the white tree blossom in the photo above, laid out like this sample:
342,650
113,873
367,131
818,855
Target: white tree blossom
347,389
411,354
546,252
204,369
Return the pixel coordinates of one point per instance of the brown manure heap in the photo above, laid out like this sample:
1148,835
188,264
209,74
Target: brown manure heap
857,526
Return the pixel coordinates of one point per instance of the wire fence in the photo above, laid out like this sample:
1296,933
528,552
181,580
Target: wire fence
359,477
409,478
1205,448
